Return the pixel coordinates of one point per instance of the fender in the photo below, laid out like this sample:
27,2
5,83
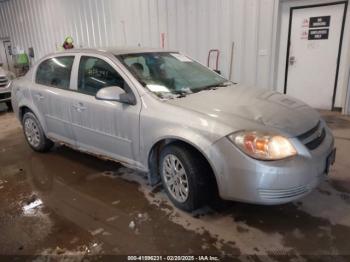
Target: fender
34,109
22,97
196,140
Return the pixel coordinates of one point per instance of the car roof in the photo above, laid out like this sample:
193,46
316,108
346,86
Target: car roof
116,50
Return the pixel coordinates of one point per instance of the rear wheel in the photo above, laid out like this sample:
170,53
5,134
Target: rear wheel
184,176
34,133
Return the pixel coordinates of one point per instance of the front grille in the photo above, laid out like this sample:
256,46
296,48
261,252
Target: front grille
5,96
313,137
3,81
282,193
313,144
310,132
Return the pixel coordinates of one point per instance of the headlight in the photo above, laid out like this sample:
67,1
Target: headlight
263,146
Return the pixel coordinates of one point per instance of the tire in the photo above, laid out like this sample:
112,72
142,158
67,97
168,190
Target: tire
9,105
196,172
34,133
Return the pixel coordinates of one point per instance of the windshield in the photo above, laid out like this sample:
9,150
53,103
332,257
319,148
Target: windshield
170,75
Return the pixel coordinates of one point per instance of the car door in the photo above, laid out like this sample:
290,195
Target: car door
104,127
51,96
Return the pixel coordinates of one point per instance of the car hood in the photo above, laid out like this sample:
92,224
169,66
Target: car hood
271,109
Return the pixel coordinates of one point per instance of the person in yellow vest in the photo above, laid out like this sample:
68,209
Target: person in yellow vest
68,43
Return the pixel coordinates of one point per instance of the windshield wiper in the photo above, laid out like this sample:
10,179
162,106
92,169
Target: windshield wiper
214,86
174,94
181,93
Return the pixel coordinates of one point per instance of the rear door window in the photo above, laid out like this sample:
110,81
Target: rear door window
55,72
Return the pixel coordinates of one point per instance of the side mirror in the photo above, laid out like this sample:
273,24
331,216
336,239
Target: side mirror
115,93
1,64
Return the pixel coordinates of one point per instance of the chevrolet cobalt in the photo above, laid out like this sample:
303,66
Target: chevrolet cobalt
163,113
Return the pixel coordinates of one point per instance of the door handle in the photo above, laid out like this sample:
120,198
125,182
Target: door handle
79,107
39,97
292,60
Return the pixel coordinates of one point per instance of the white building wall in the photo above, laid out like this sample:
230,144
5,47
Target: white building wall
44,24
192,26
197,26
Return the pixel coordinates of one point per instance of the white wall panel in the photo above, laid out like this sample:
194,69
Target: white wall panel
44,24
193,26
197,26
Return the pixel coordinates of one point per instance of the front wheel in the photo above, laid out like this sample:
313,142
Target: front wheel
9,105
183,175
34,133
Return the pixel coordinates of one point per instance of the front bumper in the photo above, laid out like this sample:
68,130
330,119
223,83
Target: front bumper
245,179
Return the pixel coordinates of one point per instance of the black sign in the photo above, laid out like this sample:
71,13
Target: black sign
320,21
318,34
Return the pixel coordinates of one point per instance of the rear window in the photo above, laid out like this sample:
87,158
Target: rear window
55,72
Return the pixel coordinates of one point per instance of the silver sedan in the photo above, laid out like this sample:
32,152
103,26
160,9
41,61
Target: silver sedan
163,113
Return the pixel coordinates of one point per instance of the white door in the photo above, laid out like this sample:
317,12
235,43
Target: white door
8,54
5,55
312,60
